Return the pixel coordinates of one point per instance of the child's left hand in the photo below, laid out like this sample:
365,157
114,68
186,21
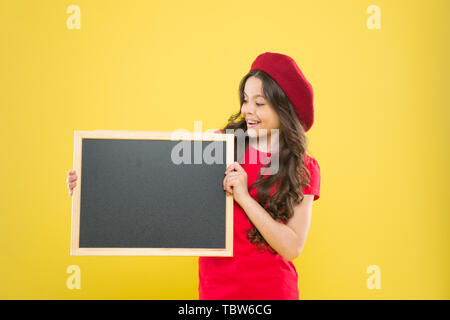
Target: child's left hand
235,182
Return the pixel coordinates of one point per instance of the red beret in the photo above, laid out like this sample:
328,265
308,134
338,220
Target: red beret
291,80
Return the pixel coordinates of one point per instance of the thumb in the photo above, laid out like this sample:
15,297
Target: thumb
238,167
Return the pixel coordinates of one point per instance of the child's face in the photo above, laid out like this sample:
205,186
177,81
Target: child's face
256,108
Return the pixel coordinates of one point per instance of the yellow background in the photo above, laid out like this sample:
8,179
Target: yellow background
380,133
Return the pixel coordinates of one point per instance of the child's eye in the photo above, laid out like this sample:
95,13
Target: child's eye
258,104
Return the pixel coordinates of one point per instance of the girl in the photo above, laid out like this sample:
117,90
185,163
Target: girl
272,212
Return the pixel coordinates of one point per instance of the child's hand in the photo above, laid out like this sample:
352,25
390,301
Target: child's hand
71,181
235,182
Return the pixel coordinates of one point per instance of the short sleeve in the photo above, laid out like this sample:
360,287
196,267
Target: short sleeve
314,177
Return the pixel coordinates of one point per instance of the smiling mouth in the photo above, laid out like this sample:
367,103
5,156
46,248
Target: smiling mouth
251,124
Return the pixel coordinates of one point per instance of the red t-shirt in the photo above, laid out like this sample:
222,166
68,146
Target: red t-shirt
251,274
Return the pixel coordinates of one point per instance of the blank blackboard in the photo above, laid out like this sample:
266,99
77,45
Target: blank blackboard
152,193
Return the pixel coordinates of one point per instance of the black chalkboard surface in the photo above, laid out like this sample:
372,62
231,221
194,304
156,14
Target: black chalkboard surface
151,193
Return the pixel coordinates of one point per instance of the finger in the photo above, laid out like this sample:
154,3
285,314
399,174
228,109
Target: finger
233,177
225,184
230,168
235,166
233,174
71,178
72,185
238,167
73,171
229,185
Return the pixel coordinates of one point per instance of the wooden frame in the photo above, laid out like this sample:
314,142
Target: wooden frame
75,249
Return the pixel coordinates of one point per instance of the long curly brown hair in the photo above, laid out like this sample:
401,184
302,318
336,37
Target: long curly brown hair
292,175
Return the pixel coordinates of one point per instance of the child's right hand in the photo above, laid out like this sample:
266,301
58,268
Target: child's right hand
71,180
